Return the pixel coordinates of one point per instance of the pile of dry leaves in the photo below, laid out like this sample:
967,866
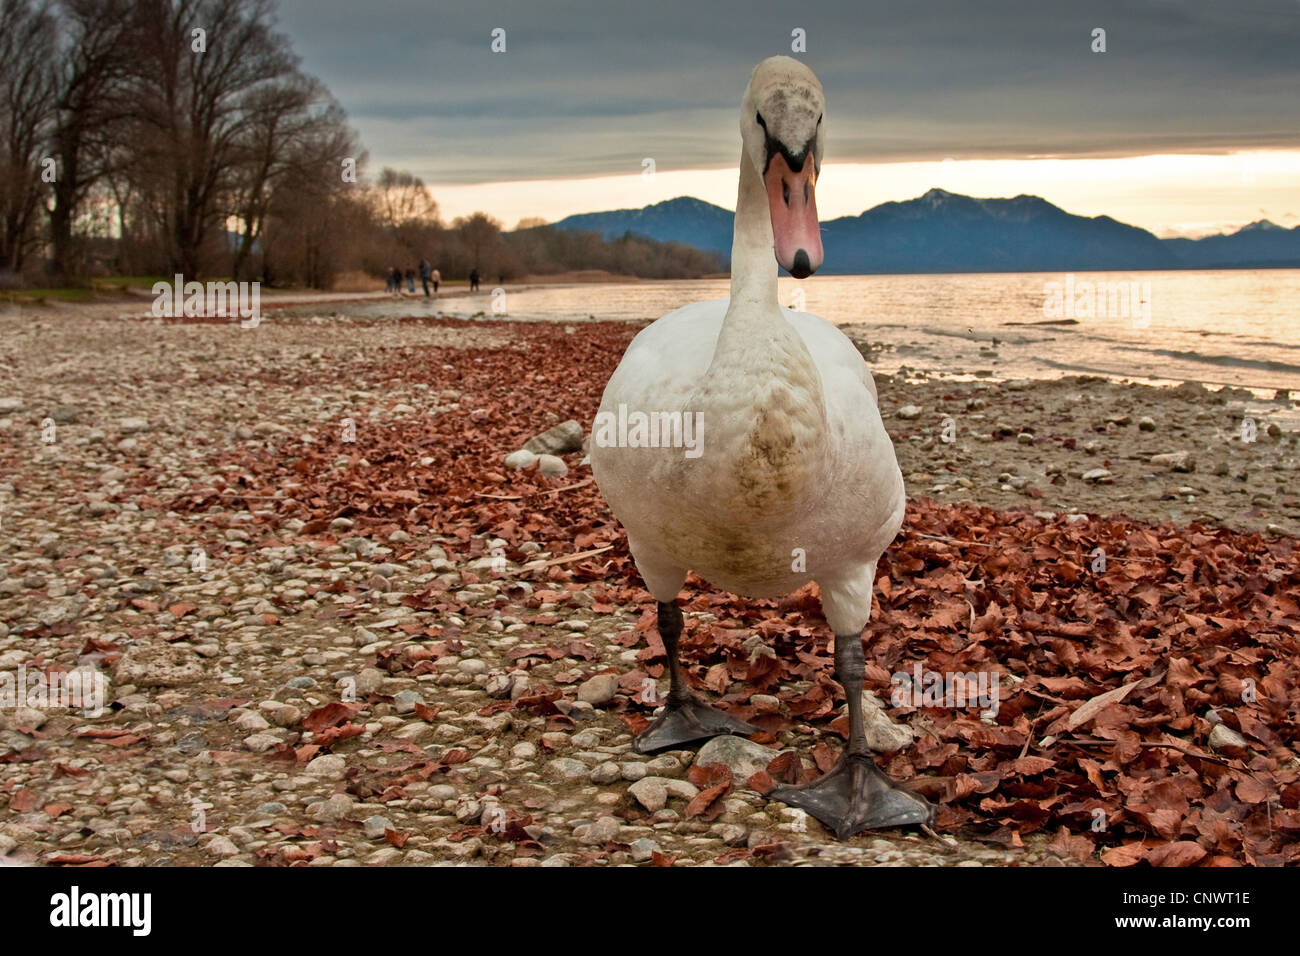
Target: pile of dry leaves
1110,678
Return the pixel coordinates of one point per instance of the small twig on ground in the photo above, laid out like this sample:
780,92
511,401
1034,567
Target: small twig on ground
1159,746
538,565
948,843
981,544
581,484
1042,696
550,491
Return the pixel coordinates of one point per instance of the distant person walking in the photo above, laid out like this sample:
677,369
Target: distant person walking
390,280
410,280
426,275
473,280
437,278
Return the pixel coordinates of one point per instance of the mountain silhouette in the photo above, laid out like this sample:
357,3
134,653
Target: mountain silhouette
947,232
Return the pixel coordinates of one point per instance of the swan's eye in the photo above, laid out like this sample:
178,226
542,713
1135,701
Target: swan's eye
758,118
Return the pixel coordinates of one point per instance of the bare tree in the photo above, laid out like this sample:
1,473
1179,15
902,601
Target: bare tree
27,43
481,235
403,199
95,62
292,126
203,62
312,217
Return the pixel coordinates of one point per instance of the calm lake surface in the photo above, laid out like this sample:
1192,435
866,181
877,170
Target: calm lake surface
1238,327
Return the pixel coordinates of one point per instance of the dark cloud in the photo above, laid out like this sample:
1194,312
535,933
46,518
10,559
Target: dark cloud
590,88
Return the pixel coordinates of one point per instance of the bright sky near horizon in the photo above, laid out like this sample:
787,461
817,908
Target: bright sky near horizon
1171,195
1187,124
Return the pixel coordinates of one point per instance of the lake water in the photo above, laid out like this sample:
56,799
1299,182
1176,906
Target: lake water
1237,327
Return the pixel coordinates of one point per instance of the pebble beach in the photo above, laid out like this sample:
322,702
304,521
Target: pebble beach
397,650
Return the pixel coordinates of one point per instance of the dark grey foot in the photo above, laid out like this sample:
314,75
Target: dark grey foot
855,796
686,722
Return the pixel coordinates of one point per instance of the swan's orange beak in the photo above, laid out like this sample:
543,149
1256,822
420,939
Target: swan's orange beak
795,231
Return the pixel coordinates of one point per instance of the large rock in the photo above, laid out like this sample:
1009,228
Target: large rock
604,830
744,757
551,466
599,689
520,460
1175,461
650,792
158,666
1223,737
883,735
565,768
331,810
643,849
327,767
558,440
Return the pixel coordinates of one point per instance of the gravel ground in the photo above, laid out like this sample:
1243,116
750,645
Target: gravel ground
218,642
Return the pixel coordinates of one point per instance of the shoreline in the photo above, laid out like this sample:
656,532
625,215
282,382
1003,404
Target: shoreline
1268,398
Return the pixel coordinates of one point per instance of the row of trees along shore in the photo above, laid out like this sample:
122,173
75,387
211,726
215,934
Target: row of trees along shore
150,137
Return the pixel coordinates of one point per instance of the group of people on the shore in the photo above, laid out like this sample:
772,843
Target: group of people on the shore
429,277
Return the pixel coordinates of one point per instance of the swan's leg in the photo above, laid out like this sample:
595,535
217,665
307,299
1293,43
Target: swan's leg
855,795
685,718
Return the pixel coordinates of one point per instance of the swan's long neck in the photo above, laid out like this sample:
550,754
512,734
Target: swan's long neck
753,265
762,388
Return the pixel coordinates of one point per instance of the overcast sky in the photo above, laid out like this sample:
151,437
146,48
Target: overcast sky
589,89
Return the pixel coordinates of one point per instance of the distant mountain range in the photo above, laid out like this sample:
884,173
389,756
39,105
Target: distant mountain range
946,232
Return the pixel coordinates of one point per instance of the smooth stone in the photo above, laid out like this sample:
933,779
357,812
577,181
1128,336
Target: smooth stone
549,466
1222,737
599,689
1180,461
520,460
557,440
331,810
650,792
327,766
743,757
604,830
643,849
404,702
566,768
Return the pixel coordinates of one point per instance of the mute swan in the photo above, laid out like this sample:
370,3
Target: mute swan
791,476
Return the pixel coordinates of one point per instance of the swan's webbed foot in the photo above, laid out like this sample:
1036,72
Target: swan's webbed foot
686,721
856,795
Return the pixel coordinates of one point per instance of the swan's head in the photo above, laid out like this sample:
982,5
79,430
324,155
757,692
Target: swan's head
781,123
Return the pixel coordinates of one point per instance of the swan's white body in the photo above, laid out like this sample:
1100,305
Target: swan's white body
788,475
796,480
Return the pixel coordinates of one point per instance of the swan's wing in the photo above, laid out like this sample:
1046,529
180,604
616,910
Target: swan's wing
832,348
662,367
667,360
864,466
